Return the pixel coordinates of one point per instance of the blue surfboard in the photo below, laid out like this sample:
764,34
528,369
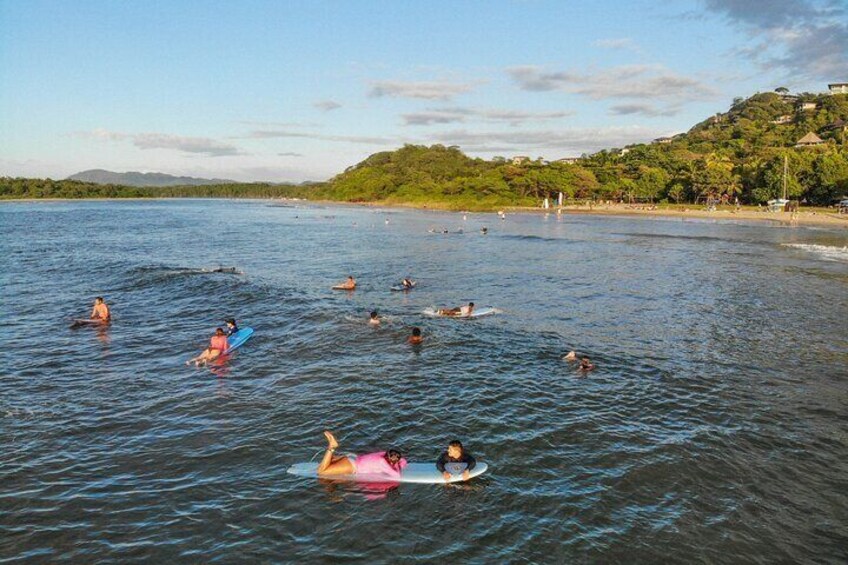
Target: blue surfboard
237,339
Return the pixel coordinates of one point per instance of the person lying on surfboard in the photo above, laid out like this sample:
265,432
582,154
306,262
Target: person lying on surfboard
232,327
415,338
217,345
101,311
349,284
456,454
458,311
389,463
407,283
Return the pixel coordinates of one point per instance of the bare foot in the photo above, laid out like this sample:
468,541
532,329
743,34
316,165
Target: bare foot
331,440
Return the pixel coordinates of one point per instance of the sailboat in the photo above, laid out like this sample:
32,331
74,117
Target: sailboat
779,204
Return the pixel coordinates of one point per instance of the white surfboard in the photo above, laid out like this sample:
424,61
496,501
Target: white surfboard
476,313
421,473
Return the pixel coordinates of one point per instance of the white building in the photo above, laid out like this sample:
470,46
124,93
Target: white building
838,88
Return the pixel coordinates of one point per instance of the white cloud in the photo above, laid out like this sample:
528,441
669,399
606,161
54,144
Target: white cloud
195,145
433,90
327,105
461,115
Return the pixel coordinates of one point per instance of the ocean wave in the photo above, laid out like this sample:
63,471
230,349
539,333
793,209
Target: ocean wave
827,252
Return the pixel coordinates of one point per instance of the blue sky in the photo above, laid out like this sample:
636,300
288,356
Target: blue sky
293,91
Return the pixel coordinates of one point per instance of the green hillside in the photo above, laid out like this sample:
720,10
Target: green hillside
737,154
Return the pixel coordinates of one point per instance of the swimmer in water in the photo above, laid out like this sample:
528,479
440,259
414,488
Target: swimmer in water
374,320
407,283
570,356
455,454
349,284
586,365
101,311
217,345
389,463
459,311
415,338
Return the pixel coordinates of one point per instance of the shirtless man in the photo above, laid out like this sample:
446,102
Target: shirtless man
415,338
101,311
349,284
374,320
459,311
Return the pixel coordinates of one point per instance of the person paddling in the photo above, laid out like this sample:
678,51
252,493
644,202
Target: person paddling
101,311
217,346
456,454
459,311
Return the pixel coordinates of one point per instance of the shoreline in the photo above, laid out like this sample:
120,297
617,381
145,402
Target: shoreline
817,218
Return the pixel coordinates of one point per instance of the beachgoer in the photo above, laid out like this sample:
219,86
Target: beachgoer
571,356
101,311
349,284
415,338
459,311
455,454
217,345
231,326
407,283
586,365
374,320
484,230
389,463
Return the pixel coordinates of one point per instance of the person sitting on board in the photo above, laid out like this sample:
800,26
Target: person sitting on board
389,463
217,345
232,327
101,311
374,320
458,311
455,454
349,284
415,338
407,283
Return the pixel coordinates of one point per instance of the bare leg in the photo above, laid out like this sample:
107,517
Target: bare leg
333,464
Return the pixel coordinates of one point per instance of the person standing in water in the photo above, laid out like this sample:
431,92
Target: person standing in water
389,463
455,454
217,346
101,311
374,320
415,338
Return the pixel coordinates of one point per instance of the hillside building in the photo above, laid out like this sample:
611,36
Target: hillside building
785,119
838,88
806,106
809,140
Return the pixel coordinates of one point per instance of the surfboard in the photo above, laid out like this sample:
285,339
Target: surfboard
340,287
420,473
476,313
400,287
237,339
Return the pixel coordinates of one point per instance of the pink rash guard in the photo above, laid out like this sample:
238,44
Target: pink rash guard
376,464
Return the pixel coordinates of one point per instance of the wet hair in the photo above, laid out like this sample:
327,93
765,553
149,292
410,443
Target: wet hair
416,331
471,304
373,314
455,443
394,451
219,330
100,298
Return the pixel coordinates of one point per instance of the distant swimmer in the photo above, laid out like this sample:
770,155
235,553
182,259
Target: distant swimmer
484,230
389,463
232,327
458,311
349,284
570,356
217,345
586,365
227,270
407,283
456,454
100,311
374,320
415,338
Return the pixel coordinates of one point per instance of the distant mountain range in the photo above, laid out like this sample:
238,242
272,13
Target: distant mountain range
99,176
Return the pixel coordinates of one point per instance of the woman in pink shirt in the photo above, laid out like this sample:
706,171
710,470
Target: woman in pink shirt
217,345
386,463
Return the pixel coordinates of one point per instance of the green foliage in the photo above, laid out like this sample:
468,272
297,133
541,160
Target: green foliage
738,154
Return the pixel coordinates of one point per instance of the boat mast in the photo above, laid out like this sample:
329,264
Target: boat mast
785,166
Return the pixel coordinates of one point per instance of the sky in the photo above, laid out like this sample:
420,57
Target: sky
286,91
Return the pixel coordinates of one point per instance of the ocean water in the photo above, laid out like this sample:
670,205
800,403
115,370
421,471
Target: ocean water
713,429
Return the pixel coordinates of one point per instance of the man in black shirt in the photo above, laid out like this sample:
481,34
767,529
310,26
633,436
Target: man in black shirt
455,454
